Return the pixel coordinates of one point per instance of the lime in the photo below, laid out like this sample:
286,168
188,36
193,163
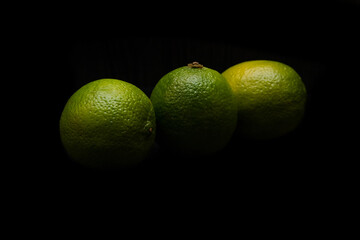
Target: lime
107,124
270,98
195,110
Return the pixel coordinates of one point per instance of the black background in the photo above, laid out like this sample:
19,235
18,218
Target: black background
297,180
317,40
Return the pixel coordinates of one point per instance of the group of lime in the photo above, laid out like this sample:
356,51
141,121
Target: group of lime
193,110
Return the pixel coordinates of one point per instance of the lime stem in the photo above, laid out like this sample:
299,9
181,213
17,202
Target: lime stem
195,65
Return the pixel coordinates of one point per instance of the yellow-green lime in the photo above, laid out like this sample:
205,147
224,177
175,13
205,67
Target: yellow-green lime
195,110
270,98
108,124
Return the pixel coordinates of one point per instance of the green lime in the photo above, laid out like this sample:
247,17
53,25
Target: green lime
270,98
108,124
195,110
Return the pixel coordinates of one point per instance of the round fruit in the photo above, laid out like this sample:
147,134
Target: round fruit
195,110
270,97
107,124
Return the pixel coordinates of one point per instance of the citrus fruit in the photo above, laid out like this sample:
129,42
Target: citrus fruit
195,110
270,98
108,124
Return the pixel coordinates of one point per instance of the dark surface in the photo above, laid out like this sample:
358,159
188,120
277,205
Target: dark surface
314,40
